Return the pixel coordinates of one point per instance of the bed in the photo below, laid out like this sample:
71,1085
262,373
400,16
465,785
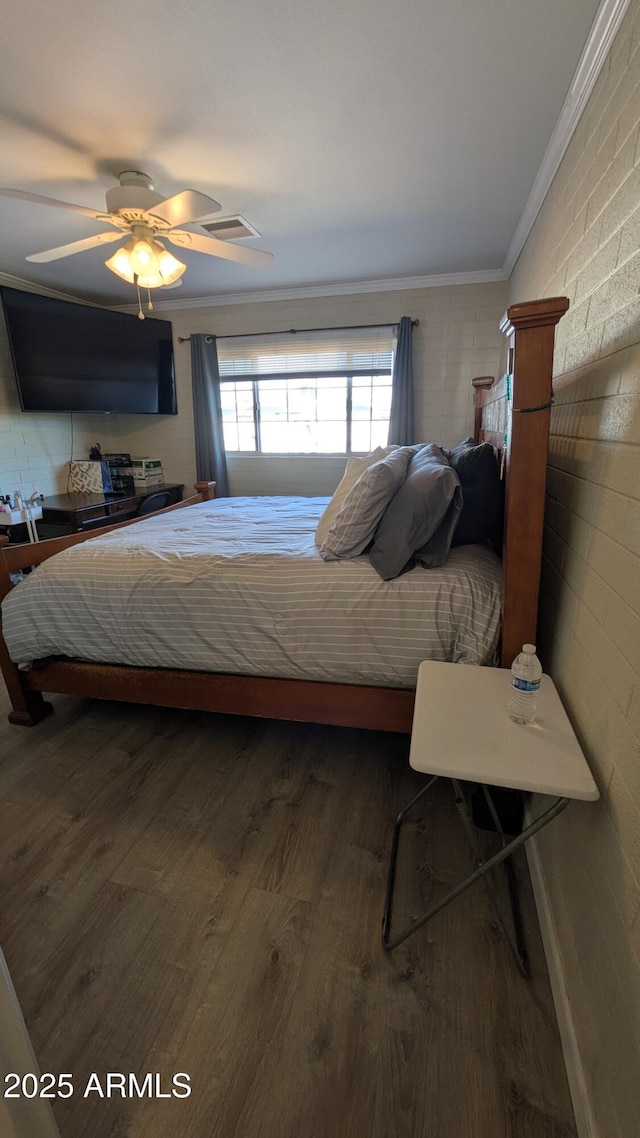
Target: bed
285,634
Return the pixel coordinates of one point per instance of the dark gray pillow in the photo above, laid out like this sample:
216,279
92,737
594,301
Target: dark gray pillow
477,468
436,549
421,515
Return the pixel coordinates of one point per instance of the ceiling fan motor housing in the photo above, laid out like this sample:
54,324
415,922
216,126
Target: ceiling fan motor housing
134,192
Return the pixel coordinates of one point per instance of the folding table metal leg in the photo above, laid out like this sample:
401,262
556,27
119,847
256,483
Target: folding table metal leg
463,810
520,950
391,874
391,942
514,900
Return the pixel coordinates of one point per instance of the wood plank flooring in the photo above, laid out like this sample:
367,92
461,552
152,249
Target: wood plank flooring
194,893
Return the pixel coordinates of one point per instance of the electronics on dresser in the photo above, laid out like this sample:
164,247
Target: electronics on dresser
121,473
76,357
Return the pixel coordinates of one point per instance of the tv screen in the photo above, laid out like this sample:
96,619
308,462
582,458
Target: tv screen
71,357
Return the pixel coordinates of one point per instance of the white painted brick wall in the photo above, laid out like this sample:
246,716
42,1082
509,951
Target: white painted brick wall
586,244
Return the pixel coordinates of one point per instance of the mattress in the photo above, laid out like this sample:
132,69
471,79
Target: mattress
237,585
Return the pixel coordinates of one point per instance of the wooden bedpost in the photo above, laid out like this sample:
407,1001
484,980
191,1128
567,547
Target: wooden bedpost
207,489
28,707
531,331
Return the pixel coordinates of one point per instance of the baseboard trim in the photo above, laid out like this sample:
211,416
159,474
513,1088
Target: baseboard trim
585,1121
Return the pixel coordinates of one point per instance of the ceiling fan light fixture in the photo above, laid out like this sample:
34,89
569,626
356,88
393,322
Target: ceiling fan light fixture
120,263
143,258
171,269
164,269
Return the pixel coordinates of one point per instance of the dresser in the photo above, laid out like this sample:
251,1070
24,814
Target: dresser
76,512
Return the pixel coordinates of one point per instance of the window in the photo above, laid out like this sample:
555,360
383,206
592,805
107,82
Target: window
307,392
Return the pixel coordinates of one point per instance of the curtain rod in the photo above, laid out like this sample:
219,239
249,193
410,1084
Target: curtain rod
294,331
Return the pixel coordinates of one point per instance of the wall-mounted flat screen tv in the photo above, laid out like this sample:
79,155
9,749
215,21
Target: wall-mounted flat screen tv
73,357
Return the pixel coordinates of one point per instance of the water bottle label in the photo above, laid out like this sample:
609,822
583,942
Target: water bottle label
526,685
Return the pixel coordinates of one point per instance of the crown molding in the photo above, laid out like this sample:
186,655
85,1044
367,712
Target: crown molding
601,35
42,290
303,292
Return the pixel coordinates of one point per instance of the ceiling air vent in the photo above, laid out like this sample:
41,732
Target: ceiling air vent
230,228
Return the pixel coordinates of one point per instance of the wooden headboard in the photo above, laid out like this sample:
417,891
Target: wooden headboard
513,414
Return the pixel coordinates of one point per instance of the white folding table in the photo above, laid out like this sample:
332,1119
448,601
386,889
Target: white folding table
461,731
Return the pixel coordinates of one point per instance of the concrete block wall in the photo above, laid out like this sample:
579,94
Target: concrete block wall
585,244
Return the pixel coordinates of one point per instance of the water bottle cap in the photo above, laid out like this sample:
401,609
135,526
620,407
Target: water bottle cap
530,649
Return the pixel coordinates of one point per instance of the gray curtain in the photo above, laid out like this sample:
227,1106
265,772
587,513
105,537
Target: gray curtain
401,430
211,458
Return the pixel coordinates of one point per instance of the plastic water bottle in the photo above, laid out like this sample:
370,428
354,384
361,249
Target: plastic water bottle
526,672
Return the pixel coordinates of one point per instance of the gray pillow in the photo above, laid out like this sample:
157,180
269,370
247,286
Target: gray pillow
421,516
482,492
436,550
364,505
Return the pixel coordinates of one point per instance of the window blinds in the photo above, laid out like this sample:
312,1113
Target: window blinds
342,351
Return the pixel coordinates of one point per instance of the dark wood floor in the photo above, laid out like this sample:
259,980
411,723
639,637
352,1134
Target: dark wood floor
201,894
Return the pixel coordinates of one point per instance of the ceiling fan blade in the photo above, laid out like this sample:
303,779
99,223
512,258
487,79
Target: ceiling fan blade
75,247
185,207
24,195
217,248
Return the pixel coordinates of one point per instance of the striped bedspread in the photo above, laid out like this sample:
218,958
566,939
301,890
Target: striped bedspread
237,585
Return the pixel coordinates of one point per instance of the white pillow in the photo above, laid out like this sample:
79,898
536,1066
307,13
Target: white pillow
354,468
364,505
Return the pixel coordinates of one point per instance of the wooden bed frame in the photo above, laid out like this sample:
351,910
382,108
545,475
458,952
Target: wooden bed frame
518,427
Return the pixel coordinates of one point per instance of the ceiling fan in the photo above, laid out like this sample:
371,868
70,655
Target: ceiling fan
137,212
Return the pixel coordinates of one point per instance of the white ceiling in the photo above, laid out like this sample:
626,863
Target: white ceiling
363,140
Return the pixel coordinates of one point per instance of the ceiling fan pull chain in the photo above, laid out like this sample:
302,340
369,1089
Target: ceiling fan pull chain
140,312
150,304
